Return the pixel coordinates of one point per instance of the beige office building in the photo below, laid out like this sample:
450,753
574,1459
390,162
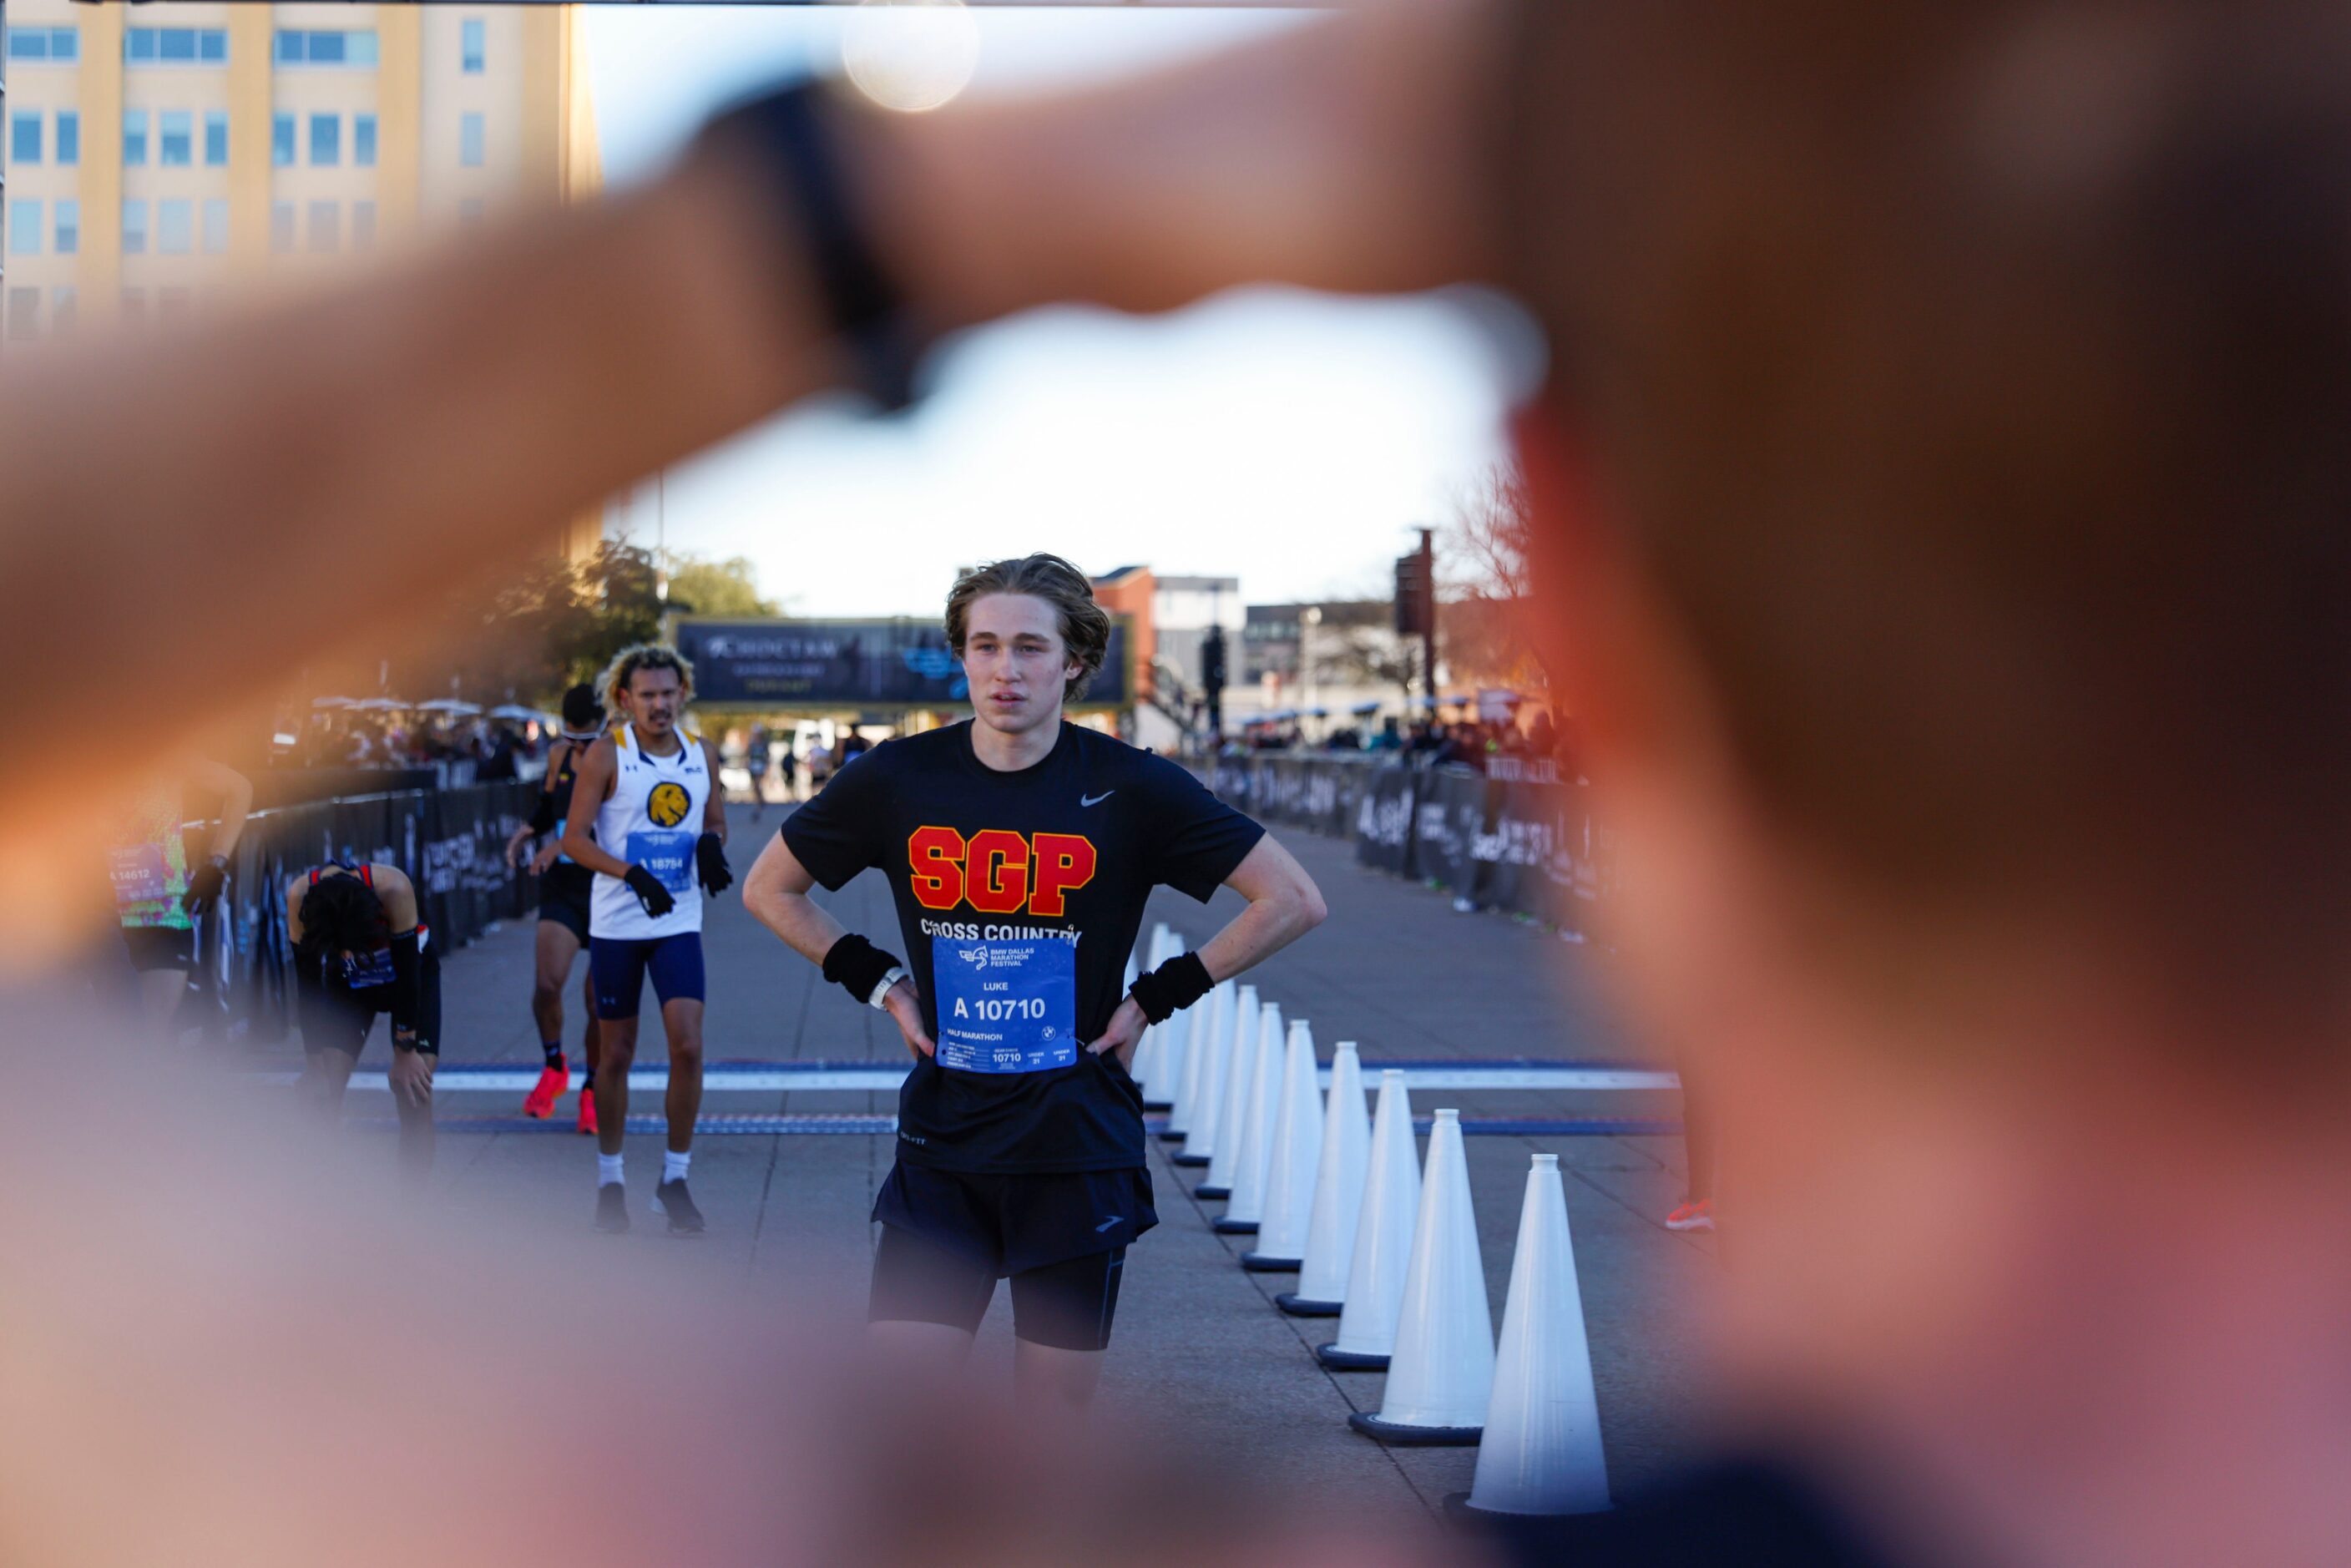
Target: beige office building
152,154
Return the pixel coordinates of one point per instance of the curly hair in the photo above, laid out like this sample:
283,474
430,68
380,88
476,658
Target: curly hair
614,681
1085,627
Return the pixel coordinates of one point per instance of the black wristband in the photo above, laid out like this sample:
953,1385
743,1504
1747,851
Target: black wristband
1173,987
787,131
856,966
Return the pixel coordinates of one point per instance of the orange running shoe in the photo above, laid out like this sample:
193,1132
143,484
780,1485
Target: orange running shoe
588,1111
552,1082
1697,1216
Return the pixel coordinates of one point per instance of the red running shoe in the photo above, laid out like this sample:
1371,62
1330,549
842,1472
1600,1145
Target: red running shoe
588,1111
552,1082
1697,1216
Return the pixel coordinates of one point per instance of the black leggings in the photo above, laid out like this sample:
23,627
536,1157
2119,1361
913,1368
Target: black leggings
1065,1306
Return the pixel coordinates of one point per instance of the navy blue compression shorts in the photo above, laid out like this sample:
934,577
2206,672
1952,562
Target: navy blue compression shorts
618,967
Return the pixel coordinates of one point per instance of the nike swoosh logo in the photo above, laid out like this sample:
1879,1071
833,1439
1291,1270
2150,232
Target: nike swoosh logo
1105,1225
1096,799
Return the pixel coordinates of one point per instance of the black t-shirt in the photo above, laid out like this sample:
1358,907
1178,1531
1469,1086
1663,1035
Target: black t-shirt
1019,898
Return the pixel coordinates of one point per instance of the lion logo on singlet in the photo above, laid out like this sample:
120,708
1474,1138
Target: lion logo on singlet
667,805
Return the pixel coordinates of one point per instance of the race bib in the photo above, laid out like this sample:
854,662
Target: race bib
668,853
1005,1007
363,971
139,873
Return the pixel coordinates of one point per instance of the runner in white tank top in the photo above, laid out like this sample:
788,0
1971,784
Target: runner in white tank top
647,819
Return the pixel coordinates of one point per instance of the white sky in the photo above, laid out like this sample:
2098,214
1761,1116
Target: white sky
1287,439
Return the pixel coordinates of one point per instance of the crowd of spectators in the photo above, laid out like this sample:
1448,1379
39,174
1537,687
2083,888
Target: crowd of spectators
340,737
1470,743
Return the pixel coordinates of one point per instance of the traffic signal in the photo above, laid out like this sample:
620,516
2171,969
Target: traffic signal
1414,602
1212,660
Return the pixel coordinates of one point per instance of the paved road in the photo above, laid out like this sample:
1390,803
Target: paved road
1198,1343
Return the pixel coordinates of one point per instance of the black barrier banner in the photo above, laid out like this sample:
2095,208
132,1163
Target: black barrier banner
849,665
1446,824
1384,821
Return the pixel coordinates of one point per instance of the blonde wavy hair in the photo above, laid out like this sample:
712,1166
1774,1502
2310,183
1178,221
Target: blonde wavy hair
613,683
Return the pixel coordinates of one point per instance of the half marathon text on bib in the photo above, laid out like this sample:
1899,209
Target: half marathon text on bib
1005,1007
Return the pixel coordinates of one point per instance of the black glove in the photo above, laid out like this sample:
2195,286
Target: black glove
710,864
650,891
203,888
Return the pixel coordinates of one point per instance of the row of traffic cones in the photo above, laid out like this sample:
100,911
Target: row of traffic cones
1389,1249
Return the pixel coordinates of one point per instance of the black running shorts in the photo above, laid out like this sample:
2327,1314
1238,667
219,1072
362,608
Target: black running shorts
563,896
156,947
1066,1306
1060,1239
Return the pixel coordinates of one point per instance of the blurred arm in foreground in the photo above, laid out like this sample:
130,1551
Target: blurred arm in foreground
407,430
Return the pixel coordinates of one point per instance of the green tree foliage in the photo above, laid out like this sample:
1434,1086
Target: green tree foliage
698,586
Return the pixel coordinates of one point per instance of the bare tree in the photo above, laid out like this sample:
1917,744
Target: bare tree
1484,582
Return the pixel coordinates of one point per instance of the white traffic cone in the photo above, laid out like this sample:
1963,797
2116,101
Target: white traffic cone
1205,1079
1541,1453
1297,1156
1441,1374
1232,1110
1177,1041
1384,1228
1245,1206
1338,1178
1187,1108
1147,1049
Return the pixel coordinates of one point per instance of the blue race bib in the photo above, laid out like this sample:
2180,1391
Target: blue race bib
365,971
1005,1007
667,853
139,873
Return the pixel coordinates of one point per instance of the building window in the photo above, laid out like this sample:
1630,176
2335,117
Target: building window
50,45
24,228
474,45
134,138
216,225
325,140
362,225
296,48
134,229
325,226
469,210
61,310
175,46
176,139
176,223
24,312
216,138
69,230
69,136
363,141
281,227
281,140
25,136
469,141
134,305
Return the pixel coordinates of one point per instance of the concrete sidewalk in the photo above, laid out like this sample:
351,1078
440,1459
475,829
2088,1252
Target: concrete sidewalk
1198,1343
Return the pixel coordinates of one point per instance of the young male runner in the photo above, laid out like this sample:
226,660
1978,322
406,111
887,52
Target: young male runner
648,818
157,895
564,889
360,950
1020,850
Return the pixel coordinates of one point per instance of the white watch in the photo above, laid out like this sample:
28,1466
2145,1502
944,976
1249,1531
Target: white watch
880,992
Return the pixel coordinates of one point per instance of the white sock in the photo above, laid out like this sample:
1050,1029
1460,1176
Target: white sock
673,1164
608,1170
